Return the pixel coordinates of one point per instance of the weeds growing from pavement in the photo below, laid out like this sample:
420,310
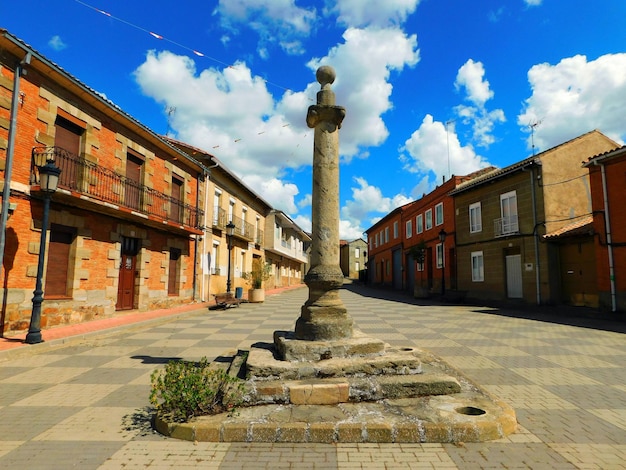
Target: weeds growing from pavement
184,389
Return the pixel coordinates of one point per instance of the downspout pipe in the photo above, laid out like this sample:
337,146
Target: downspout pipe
6,191
609,238
207,176
535,235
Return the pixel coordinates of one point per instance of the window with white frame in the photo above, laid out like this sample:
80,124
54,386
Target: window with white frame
478,269
475,218
215,258
231,210
395,230
419,224
357,252
429,219
376,241
357,266
409,228
508,207
440,258
386,234
439,214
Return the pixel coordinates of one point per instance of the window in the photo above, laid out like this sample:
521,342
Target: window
231,210
244,220
214,258
395,230
429,219
409,229
475,218
386,234
439,214
419,224
59,255
172,275
440,258
357,252
176,202
508,206
357,266
134,172
217,205
478,271
67,134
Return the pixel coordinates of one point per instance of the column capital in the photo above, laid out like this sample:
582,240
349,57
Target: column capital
324,113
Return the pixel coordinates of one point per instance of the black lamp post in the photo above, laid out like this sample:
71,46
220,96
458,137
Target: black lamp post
442,239
230,230
48,181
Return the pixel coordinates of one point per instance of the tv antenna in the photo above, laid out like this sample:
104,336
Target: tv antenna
448,144
170,111
533,126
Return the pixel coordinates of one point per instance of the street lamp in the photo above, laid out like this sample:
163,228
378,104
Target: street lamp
48,181
230,230
442,239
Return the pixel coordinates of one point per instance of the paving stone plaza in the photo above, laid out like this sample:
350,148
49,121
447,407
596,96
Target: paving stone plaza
82,402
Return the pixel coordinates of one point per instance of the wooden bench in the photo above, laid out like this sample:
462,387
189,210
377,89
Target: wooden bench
225,300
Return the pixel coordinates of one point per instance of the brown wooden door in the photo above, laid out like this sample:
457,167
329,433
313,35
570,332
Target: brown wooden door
176,201
126,286
132,193
58,262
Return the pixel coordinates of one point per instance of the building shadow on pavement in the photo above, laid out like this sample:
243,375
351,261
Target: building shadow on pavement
583,317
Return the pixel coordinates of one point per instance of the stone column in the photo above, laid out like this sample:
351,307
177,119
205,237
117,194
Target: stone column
324,317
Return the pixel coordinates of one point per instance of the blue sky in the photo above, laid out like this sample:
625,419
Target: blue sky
431,87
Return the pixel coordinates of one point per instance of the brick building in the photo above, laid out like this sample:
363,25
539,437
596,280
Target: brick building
126,219
607,172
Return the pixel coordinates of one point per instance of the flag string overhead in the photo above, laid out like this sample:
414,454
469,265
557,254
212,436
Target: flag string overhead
182,46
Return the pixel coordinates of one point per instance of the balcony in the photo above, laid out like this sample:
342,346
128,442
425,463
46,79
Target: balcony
243,229
115,191
505,226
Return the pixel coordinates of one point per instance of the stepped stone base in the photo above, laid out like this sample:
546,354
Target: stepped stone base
402,395
291,349
465,417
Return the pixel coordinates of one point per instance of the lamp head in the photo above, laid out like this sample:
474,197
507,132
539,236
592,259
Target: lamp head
49,177
230,228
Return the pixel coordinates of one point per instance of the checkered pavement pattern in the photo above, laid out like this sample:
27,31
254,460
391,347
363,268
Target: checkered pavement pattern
84,404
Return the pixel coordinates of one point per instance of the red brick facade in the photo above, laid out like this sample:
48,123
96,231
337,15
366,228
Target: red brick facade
610,167
95,233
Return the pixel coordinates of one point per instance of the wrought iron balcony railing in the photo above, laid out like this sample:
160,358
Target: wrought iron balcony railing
505,226
243,229
98,182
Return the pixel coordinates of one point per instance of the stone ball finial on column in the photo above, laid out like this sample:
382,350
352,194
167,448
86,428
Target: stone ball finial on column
325,75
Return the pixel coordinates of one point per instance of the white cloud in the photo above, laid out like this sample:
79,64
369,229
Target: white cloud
57,43
533,3
362,84
428,149
231,114
275,21
364,13
574,97
367,200
470,77
279,194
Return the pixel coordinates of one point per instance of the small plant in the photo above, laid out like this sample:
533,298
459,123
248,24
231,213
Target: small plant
185,389
261,272
418,252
